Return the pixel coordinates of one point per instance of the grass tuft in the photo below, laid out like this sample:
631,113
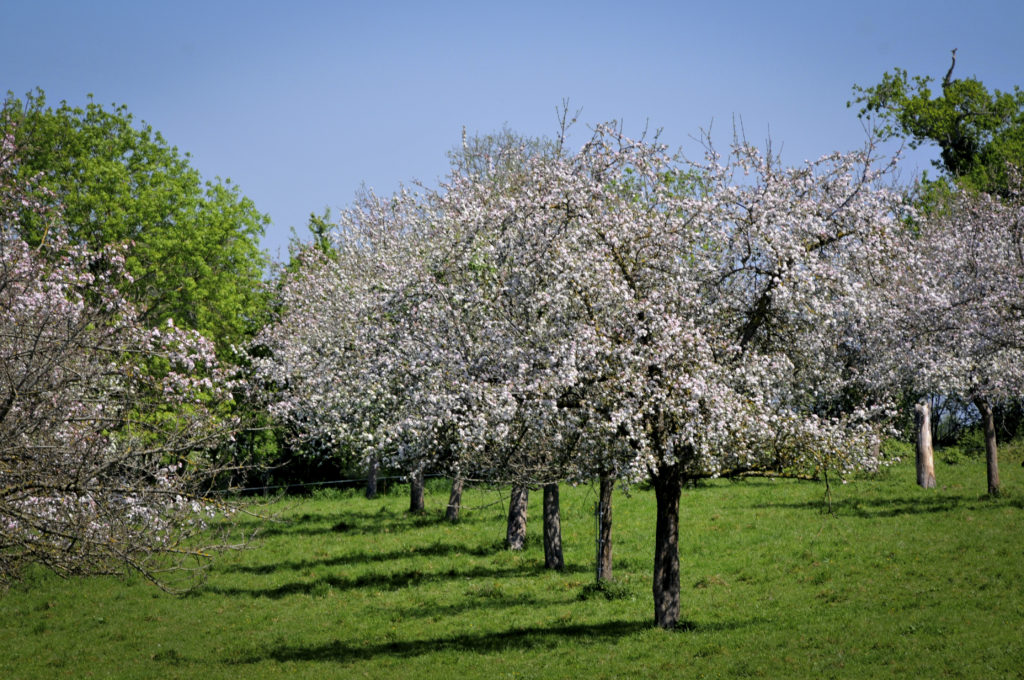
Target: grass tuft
609,590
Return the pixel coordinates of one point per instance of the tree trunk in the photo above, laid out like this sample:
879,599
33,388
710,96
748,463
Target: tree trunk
371,478
455,500
925,452
515,536
552,529
991,452
416,504
667,488
604,529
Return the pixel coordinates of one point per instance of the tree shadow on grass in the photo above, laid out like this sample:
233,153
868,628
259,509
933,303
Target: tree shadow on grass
515,639
870,508
348,522
539,637
482,598
378,581
436,549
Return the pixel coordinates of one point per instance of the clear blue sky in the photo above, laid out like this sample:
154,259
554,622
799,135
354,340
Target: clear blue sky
302,102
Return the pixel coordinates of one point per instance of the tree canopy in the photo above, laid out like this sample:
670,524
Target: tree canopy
551,316
193,245
979,132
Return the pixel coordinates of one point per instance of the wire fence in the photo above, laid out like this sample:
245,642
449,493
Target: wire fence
357,481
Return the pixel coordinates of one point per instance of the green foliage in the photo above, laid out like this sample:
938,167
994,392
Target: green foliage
979,132
972,443
318,239
970,446
898,449
320,228
897,583
952,455
194,245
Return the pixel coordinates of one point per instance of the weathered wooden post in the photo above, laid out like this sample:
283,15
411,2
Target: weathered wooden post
925,452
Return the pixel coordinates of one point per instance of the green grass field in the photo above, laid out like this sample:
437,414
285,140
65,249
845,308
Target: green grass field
897,582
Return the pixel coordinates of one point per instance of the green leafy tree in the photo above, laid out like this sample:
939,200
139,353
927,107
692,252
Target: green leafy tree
194,253
979,132
980,135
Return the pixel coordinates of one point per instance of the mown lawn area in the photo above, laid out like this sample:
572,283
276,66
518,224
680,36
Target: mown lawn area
895,582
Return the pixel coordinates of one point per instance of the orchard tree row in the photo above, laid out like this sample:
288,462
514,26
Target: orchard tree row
545,315
618,313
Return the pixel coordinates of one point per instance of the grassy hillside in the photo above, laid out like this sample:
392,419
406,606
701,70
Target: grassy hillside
897,582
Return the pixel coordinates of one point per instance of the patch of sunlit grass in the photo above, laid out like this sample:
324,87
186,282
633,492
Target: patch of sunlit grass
895,582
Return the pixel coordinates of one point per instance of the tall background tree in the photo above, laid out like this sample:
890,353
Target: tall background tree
192,253
979,132
106,424
193,245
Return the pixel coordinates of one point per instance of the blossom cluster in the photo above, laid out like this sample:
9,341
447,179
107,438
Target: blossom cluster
547,316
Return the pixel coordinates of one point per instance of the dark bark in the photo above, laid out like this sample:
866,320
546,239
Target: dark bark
455,500
371,479
604,529
991,452
515,536
925,452
552,529
667,488
416,504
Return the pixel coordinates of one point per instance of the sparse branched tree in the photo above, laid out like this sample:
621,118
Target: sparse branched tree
105,424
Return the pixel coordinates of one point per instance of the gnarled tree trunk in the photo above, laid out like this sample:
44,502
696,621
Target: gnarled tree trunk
604,528
925,452
667,488
991,452
515,536
416,504
552,529
455,499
